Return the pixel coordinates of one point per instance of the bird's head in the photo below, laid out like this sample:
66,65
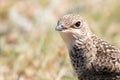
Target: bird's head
73,27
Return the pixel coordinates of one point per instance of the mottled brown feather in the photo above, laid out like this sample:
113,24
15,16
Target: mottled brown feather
92,58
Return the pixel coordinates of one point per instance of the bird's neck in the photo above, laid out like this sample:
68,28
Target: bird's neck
84,47
82,53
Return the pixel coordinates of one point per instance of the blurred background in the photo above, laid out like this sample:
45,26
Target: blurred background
31,49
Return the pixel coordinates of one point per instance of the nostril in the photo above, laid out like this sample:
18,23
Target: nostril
61,26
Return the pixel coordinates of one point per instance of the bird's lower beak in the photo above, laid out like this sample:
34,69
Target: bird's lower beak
60,28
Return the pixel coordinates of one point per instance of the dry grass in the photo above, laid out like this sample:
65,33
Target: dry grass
30,48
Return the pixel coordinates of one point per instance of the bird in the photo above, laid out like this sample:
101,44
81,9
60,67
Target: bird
92,57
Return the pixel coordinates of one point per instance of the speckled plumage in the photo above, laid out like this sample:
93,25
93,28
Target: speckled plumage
92,58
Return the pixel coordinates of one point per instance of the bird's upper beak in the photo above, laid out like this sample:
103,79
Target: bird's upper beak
60,28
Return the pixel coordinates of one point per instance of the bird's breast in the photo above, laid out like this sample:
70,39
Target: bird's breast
79,59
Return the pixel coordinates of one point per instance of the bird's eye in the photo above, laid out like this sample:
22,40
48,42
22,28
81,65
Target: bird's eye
77,24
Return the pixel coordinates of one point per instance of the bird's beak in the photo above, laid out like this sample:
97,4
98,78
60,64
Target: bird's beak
60,28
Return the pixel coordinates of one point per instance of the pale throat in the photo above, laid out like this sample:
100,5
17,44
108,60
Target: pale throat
71,39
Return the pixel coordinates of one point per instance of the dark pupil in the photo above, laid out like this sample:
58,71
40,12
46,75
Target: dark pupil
77,24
